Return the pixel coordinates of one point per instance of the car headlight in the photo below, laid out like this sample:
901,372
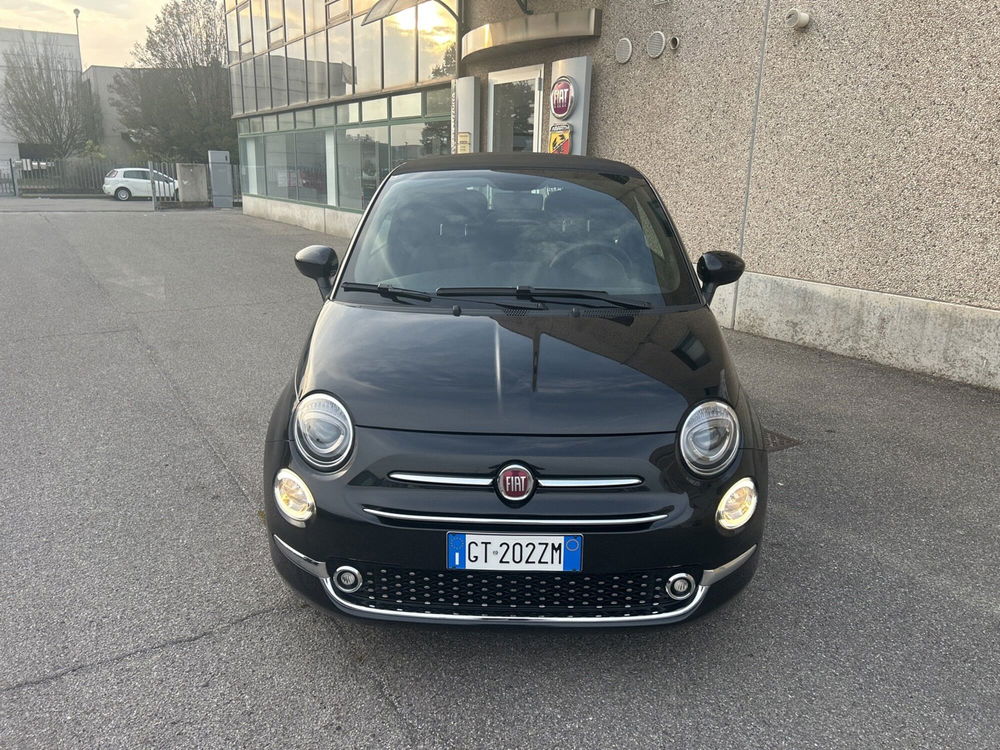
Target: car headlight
293,498
710,438
737,505
323,431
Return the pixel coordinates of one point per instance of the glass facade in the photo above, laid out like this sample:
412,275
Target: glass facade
337,156
294,54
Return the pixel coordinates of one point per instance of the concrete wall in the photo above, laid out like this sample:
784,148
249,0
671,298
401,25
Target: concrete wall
318,218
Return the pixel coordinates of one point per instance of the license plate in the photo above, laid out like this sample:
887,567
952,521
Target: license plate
514,552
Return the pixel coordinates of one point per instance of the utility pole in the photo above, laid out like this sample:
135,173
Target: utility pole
79,47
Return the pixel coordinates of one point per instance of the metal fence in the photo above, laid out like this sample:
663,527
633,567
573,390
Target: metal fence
169,184
164,188
61,177
8,179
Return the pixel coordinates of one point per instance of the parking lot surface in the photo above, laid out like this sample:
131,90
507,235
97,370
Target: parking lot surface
141,356
97,203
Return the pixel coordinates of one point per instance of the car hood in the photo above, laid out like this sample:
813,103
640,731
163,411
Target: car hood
528,375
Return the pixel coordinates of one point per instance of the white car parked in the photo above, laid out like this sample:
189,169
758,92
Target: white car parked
128,182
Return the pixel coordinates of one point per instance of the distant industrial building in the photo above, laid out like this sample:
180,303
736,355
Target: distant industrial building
114,140
67,47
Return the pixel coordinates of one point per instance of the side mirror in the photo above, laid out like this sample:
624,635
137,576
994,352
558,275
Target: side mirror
319,263
718,268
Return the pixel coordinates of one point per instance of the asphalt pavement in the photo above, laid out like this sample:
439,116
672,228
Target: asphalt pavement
141,356
93,204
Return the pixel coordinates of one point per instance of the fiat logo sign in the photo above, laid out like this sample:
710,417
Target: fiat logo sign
562,97
515,483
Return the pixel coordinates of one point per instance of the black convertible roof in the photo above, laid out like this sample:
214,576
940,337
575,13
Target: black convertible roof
515,162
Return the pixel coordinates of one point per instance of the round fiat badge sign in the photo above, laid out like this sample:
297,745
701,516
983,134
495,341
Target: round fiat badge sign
562,97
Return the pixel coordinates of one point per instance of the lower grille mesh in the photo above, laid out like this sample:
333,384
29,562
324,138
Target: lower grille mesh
514,593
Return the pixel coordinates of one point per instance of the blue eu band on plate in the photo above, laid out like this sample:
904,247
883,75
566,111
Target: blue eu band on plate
515,552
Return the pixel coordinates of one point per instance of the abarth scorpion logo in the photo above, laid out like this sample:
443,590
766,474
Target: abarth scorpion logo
515,483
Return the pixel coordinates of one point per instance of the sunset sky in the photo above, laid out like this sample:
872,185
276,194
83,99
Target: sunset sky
108,28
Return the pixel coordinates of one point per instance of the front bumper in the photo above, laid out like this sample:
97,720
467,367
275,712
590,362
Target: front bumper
364,603
393,529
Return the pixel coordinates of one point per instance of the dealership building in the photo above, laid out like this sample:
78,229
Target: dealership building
848,153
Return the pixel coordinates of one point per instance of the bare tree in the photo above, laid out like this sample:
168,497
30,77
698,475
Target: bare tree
175,99
46,101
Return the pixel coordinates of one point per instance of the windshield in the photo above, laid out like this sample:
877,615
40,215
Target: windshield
552,229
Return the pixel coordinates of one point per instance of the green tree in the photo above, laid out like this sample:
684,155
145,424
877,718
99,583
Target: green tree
45,101
175,99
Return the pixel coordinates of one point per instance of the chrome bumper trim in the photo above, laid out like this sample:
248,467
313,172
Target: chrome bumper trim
307,564
389,614
562,483
404,476
714,576
479,520
589,483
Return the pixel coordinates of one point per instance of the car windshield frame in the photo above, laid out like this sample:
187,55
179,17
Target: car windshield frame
607,219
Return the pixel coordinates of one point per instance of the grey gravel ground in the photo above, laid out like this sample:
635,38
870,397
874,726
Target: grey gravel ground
141,354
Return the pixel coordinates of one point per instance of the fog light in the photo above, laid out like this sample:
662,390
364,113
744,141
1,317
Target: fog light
347,579
737,505
293,498
680,586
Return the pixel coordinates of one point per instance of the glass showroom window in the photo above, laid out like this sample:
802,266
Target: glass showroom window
275,15
315,15
279,78
437,33
399,40
279,166
236,89
252,165
310,161
245,33
362,163
232,37
293,19
341,69
417,139
263,82
316,70
367,56
259,25
249,95
296,52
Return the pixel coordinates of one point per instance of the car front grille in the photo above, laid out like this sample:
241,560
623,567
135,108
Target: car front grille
517,594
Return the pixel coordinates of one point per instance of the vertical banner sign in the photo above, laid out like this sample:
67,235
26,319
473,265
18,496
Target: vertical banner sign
569,106
562,99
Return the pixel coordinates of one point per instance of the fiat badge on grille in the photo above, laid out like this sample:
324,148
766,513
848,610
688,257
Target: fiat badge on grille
515,483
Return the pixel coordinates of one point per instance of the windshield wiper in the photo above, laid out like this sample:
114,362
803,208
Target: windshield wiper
395,292
534,293
386,290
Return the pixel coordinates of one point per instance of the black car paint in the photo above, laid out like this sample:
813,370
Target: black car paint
564,395
400,367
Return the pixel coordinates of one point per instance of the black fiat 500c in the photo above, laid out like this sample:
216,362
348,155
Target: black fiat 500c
515,406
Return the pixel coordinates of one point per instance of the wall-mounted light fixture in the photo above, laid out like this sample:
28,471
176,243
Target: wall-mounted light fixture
796,19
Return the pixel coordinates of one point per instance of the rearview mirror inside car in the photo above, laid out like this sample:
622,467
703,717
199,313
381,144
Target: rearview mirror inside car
319,263
718,268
